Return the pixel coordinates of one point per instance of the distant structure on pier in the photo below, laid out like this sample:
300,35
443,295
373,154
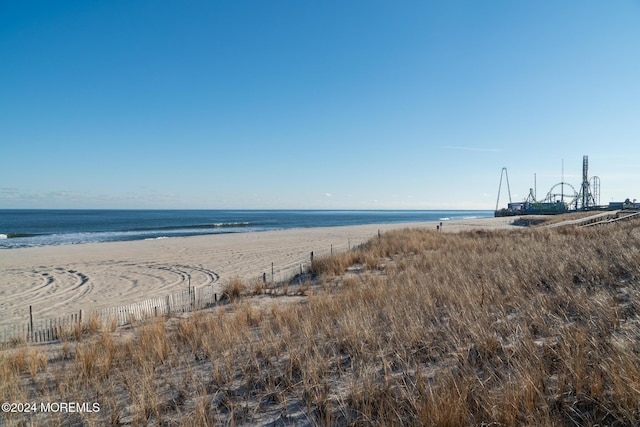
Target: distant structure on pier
586,197
561,198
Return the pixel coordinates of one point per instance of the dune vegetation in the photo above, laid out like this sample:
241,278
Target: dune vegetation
417,327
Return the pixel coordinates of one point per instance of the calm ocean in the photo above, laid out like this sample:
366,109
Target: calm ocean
26,228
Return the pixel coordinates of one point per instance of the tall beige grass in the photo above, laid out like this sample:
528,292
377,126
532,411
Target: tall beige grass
524,327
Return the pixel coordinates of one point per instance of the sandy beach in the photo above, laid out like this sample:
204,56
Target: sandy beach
57,280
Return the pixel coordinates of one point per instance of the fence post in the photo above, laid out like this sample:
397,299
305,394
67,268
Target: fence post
30,320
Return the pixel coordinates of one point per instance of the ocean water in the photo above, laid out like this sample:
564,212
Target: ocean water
28,228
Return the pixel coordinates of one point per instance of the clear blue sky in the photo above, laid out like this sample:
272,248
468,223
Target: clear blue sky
314,104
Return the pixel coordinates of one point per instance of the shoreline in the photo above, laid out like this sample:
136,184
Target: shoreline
53,228
56,280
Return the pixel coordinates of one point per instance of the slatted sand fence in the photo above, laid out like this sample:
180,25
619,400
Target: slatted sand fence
42,330
45,330
282,274
195,298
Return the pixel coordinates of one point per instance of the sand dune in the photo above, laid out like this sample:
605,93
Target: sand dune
58,280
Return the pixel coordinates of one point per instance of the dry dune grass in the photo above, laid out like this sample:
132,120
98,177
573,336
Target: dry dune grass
519,327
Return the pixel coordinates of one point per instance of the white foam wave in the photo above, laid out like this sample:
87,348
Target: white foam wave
230,224
3,236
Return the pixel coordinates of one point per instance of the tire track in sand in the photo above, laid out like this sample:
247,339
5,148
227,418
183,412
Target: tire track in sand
57,291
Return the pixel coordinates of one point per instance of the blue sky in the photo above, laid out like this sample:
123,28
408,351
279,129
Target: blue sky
314,104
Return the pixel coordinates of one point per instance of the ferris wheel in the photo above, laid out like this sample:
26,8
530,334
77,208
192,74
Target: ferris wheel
562,192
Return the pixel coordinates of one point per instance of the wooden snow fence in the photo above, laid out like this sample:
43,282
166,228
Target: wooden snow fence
45,330
42,330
